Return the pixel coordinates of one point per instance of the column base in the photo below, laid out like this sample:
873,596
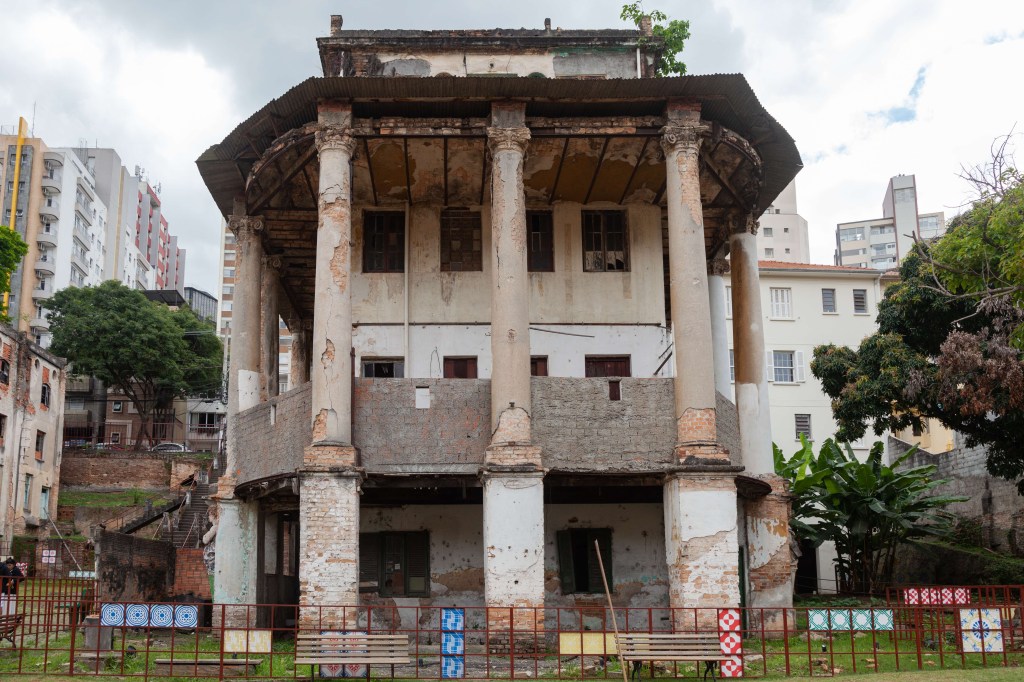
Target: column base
701,453
329,548
235,569
515,455
701,545
770,559
328,456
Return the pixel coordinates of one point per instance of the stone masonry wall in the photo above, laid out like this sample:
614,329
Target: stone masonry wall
993,501
574,422
133,569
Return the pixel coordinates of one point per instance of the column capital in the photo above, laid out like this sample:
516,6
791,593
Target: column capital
508,139
682,138
718,267
335,137
245,226
741,221
272,263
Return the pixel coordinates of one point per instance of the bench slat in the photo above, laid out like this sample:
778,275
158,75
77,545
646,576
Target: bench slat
329,660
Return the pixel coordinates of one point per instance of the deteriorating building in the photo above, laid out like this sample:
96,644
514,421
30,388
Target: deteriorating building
492,251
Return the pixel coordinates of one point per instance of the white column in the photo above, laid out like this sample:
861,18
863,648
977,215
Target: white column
717,269
270,314
510,288
332,319
748,350
694,382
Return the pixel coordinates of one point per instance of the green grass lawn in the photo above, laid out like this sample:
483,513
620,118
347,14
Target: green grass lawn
121,498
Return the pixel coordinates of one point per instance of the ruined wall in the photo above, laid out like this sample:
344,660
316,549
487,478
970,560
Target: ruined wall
146,470
992,501
270,437
190,574
456,551
133,569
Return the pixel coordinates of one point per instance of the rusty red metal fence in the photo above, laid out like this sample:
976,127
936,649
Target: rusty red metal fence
75,635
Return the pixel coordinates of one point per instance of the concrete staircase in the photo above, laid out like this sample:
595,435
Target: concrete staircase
192,517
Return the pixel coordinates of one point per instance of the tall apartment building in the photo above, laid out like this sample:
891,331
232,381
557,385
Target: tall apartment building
204,305
783,236
881,243
154,239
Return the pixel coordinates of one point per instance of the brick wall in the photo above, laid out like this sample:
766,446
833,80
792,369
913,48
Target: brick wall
574,421
993,501
147,470
270,438
130,568
190,574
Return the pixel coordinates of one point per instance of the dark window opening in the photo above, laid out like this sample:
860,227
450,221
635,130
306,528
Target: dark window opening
383,369
461,241
40,444
539,366
44,395
605,240
383,241
460,368
395,564
607,366
615,390
5,372
540,241
578,566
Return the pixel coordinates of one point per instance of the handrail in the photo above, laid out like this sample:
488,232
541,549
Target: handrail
131,516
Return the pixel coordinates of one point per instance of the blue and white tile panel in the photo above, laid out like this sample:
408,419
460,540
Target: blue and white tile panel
146,615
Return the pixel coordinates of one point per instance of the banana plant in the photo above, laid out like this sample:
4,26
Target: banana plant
867,508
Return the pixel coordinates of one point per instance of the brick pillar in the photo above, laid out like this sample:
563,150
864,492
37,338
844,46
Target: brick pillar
694,383
770,561
701,545
328,547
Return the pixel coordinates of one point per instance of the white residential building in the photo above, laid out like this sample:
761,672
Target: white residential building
881,243
783,235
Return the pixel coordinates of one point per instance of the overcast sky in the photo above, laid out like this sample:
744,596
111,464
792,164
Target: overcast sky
867,88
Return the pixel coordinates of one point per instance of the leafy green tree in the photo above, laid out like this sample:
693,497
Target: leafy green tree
673,36
868,509
141,348
12,250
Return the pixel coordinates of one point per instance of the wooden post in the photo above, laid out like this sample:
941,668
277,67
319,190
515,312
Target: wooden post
615,625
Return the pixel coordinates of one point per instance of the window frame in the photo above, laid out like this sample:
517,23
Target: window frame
796,426
45,395
5,372
453,214
781,309
26,503
375,543
538,363
590,361
397,364
824,302
472,366
866,308
389,223
117,406
602,228
566,543
540,226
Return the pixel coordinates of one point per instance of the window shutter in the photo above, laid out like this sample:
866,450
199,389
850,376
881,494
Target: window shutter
798,365
603,536
566,570
369,562
769,365
417,563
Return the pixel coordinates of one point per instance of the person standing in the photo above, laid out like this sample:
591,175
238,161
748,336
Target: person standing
14,578
4,573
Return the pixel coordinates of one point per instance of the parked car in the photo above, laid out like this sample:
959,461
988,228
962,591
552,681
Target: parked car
169,447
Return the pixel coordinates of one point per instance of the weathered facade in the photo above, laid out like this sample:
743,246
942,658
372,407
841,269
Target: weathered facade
504,343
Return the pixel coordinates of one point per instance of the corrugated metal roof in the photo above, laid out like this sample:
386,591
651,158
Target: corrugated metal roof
726,99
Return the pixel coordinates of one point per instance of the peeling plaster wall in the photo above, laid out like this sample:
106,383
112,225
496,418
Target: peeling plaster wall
639,570
619,63
514,540
567,296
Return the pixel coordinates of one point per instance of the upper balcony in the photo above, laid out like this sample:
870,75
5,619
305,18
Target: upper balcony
44,264
443,426
51,185
42,294
39,324
49,209
47,239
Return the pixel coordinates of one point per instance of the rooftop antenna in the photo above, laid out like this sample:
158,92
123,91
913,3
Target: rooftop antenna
32,130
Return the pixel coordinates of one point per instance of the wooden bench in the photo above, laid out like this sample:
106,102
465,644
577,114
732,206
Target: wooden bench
9,625
315,649
206,667
637,647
